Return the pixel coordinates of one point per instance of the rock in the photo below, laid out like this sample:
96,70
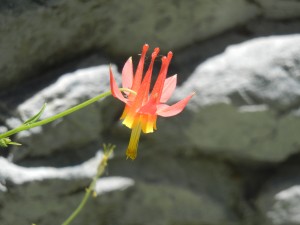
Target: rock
196,190
18,175
80,130
279,198
276,9
173,191
36,36
109,184
36,194
163,204
284,209
246,104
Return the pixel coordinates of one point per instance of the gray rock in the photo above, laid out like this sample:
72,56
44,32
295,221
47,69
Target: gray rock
37,36
256,72
180,190
245,106
164,204
284,209
80,129
276,9
18,175
34,195
279,198
174,191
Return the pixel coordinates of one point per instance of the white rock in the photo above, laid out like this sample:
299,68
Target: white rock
108,184
259,74
279,198
78,129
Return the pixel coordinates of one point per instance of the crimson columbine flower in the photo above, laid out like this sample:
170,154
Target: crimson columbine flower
142,108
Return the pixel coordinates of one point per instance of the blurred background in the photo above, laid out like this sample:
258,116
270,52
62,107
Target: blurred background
231,158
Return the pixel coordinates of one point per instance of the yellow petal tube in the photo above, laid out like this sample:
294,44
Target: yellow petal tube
131,151
148,123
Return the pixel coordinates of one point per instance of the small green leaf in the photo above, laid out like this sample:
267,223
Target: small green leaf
4,142
14,143
108,149
36,116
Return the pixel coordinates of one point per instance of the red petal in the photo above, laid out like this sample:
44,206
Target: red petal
166,111
149,107
158,86
127,74
139,71
114,88
143,92
168,89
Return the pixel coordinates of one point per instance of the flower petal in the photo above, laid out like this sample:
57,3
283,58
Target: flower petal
140,69
148,123
127,74
143,92
168,89
114,87
166,110
149,108
131,151
158,86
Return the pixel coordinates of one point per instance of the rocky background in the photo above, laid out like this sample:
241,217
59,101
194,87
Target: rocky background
231,158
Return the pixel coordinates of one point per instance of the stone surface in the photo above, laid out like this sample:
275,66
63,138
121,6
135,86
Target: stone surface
79,130
36,36
39,35
252,89
210,185
276,9
279,198
176,191
246,102
47,195
213,164
12,174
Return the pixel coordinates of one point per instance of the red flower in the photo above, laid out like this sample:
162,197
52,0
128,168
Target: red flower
142,108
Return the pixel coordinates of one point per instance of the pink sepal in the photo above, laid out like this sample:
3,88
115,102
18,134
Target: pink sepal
114,88
127,74
167,111
168,88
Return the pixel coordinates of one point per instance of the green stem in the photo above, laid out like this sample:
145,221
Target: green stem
82,203
91,188
59,115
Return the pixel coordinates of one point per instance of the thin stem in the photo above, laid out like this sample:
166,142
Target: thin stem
82,203
60,115
91,187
